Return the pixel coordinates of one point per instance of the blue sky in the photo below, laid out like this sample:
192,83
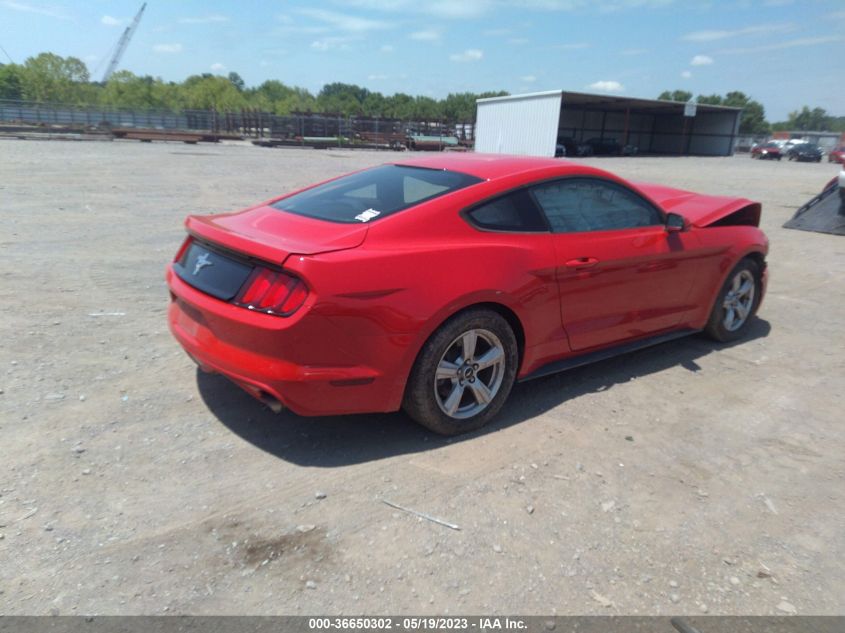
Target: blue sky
784,53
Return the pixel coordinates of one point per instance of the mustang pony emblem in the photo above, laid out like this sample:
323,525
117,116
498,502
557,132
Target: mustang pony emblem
202,262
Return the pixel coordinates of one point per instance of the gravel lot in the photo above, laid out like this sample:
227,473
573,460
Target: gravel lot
687,478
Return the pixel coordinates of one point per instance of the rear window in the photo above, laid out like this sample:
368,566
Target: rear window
375,193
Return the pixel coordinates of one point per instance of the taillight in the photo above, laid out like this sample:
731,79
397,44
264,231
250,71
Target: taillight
273,292
183,249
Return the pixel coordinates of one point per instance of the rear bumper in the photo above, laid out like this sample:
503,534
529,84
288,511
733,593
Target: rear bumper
301,361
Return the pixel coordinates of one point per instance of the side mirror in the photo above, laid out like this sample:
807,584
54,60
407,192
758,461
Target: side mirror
675,223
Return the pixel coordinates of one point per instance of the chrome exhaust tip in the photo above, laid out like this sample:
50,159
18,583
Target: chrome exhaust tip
271,403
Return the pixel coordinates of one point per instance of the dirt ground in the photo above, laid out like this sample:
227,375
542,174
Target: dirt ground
684,479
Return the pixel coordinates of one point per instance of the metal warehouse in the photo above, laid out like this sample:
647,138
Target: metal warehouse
531,124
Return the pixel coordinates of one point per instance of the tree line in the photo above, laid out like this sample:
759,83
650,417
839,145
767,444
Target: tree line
753,120
51,78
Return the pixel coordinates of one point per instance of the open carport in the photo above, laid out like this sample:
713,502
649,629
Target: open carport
530,124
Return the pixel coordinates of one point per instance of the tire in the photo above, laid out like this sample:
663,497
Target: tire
450,402
734,308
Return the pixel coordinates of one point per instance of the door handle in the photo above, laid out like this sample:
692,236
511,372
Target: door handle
582,262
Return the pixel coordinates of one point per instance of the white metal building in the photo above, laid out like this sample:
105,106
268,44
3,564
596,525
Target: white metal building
530,124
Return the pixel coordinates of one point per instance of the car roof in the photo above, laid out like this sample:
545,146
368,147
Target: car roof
489,166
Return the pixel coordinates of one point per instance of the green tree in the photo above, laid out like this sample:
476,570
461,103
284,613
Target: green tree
207,92
375,104
237,81
11,81
816,119
49,77
400,106
125,89
426,109
675,95
753,120
459,106
298,100
710,99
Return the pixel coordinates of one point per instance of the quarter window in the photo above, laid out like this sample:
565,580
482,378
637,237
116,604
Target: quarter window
578,205
513,212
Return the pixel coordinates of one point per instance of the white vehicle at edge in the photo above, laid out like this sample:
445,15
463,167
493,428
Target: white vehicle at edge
842,184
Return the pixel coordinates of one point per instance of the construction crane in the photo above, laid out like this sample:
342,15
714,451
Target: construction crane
122,43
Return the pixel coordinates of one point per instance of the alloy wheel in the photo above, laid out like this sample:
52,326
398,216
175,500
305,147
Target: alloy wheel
469,374
739,300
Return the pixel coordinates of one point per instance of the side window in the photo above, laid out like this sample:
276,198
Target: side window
582,204
513,212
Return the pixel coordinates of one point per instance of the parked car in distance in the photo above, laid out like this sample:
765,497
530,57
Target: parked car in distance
568,146
837,155
767,151
785,146
604,146
433,284
807,152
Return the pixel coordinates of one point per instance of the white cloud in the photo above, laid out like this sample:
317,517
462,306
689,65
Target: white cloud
518,41
331,43
376,77
217,67
686,74
469,55
528,79
496,32
604,6
759,29
570,46
448,9
461,9
607,86
428,35
110,21
205,19
452,9
51,12
344,22
799,42
386,48
167,48
701,60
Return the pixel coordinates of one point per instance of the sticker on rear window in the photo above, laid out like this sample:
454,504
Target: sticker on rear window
366,216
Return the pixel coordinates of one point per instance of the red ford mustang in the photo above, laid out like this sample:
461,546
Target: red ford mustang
433,284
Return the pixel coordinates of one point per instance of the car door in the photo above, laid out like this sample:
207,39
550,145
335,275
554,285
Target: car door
621,275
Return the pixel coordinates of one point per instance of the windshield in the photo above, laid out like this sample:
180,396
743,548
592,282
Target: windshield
374,193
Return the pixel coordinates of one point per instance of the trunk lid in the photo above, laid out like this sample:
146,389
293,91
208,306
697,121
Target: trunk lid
274,235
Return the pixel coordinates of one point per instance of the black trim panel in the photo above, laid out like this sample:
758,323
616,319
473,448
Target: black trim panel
603,354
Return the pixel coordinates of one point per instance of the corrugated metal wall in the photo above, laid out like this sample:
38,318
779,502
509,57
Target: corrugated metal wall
525,126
